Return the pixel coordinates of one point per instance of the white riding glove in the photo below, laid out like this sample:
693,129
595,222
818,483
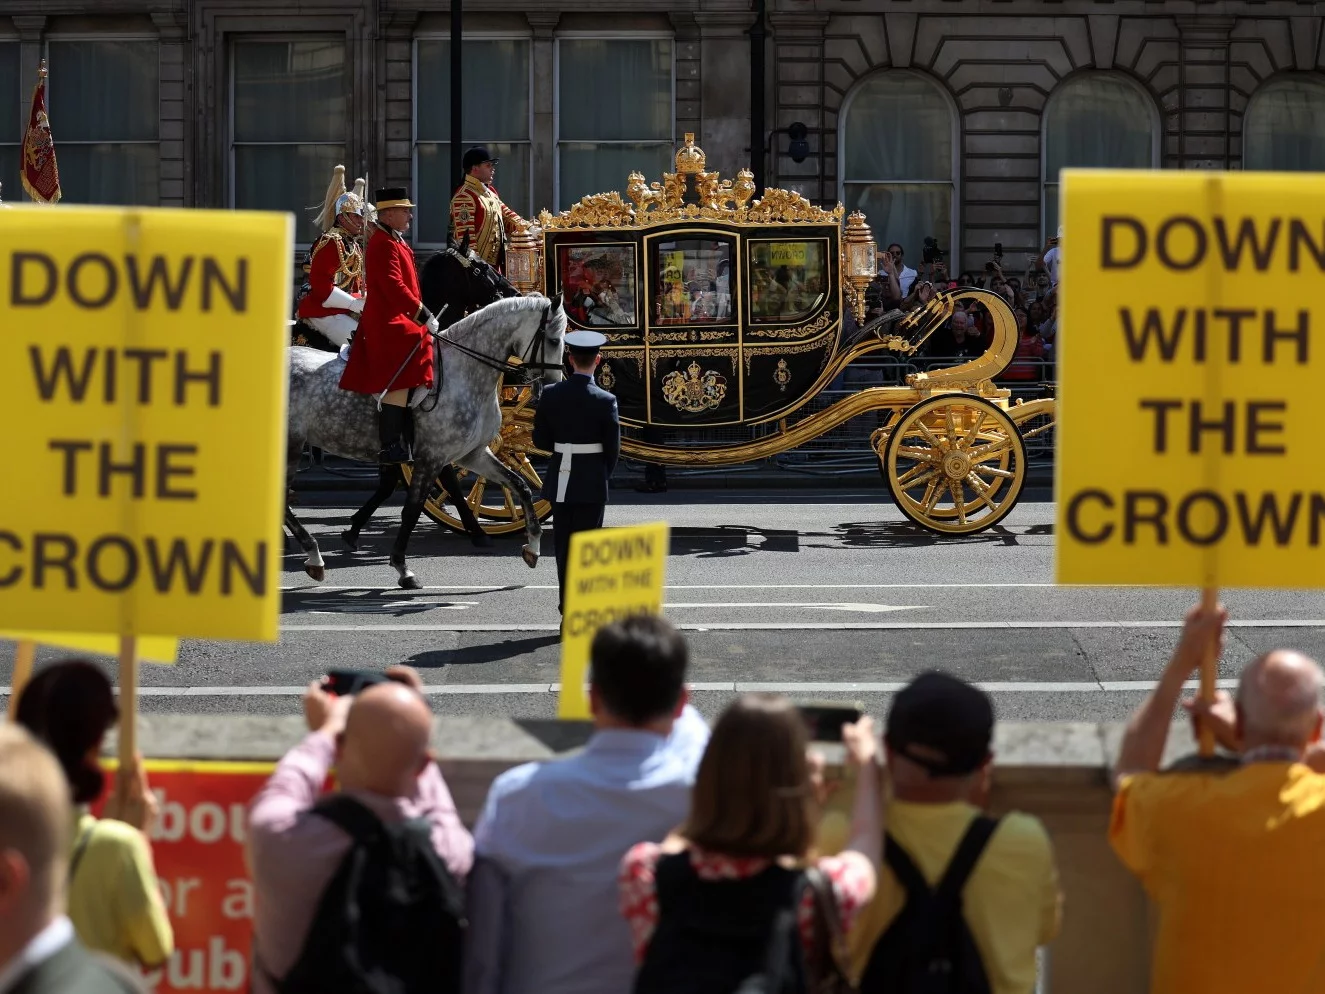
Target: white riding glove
357,306
432,326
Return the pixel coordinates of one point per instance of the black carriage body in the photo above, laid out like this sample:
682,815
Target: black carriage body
708,323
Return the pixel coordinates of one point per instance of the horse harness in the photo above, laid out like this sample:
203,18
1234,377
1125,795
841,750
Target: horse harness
526,365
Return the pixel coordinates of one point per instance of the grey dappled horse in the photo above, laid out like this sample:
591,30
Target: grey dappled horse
471,357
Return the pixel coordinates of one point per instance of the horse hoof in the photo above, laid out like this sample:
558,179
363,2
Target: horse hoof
481,540
410,582
318,573
350,539
530,557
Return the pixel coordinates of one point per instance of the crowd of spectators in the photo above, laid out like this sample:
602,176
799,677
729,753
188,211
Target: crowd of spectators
665,857
1032,295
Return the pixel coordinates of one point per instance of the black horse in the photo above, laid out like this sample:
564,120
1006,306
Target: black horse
453,283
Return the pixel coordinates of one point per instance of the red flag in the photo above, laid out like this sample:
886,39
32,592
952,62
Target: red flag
41,177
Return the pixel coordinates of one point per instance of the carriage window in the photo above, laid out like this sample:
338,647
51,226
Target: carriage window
598,284
692,281
787,280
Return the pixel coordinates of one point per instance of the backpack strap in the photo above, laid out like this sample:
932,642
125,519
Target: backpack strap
353,817
903,867
963,861
80,847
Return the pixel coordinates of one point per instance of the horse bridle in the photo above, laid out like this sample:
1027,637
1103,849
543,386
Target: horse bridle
526,364
467,260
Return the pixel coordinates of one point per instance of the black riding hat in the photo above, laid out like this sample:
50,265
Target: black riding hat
476,156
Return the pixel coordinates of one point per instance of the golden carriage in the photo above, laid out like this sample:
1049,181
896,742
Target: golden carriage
725,310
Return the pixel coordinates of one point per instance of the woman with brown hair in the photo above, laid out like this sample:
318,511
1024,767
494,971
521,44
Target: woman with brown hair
704,906
114,898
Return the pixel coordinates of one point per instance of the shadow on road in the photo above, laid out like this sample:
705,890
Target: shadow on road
478,654
904,535
383,603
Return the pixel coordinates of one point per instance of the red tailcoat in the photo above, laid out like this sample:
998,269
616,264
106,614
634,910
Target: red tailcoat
336,262
389,328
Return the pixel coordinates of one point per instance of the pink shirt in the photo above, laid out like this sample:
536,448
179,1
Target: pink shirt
293,854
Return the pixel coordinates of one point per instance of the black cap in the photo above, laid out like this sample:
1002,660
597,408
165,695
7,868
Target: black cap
391,196
942,724
476,156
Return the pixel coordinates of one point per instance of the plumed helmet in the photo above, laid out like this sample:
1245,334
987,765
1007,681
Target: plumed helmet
349,203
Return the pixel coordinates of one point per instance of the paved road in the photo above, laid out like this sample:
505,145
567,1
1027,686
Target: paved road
817,594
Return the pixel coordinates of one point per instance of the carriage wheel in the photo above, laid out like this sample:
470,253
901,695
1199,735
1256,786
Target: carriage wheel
497,509
955,464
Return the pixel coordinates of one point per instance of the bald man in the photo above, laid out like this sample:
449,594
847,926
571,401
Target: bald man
378,741
38,951
1230,852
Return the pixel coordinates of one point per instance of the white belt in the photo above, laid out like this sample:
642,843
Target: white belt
567,450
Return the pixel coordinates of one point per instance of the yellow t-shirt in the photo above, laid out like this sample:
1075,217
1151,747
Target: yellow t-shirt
1235,863
1012,901
114,901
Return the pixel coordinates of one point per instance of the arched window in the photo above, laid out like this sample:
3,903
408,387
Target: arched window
1096,121
1284,128
897,140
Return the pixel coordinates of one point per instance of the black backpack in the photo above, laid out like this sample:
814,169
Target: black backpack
928,948
391,920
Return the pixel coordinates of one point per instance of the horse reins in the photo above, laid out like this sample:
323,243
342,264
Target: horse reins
526,362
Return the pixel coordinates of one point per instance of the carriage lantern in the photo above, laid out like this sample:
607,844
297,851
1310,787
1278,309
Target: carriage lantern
859,248
522,252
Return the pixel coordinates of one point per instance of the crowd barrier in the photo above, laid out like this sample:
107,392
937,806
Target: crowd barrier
205,767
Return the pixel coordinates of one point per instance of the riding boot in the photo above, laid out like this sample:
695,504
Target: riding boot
390,431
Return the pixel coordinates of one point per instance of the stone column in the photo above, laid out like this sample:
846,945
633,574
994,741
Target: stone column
543,139
1203,92
392,162
175,164
724,93
798,74
688,77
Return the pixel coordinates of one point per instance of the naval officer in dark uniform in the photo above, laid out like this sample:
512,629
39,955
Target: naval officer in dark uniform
577,422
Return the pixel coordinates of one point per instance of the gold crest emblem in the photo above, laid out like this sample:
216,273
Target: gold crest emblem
782,375
694,391
605,378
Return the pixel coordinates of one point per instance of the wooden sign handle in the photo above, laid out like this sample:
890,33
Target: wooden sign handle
128,746
1209,673
25,652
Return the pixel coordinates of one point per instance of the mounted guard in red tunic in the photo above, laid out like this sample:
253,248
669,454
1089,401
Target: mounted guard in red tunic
392,354
335,296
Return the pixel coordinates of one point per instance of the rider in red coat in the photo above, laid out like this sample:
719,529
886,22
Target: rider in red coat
392,352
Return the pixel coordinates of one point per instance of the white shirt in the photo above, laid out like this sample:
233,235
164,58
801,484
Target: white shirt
42,947
543,893
905,279
1052,259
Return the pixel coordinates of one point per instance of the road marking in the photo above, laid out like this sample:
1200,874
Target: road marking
741,626
723,686
829,606
496,588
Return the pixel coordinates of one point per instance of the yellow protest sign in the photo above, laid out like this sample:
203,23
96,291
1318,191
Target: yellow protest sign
1192,379
612,573
145,381
153,649
787,253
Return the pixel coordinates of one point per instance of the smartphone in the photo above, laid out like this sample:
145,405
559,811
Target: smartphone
825,719
347,683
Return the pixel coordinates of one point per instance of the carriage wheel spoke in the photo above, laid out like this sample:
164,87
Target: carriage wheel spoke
931,496
930,437
958,501
1003,444
510,503
925,455
1005,474
950,423
526,469
973,434
915,476
475,498
982,491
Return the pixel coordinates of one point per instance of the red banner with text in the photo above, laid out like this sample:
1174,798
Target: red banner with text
198,849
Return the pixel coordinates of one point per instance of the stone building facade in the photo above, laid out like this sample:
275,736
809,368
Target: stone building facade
941,118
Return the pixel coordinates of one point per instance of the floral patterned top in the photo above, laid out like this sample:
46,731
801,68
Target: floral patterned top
850,874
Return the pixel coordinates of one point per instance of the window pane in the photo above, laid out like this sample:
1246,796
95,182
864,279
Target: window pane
106,173
290,91
1099,122
787,280
286,178
899,127
103,91
589,169
614,90
686,275
598,285
1285,127
905,213
11,189
496,97
11,113
432,219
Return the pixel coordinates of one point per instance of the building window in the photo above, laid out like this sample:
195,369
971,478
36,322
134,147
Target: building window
1096,121
496,114
290,109
615,110
11,122
898,143
1284,127
104,102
